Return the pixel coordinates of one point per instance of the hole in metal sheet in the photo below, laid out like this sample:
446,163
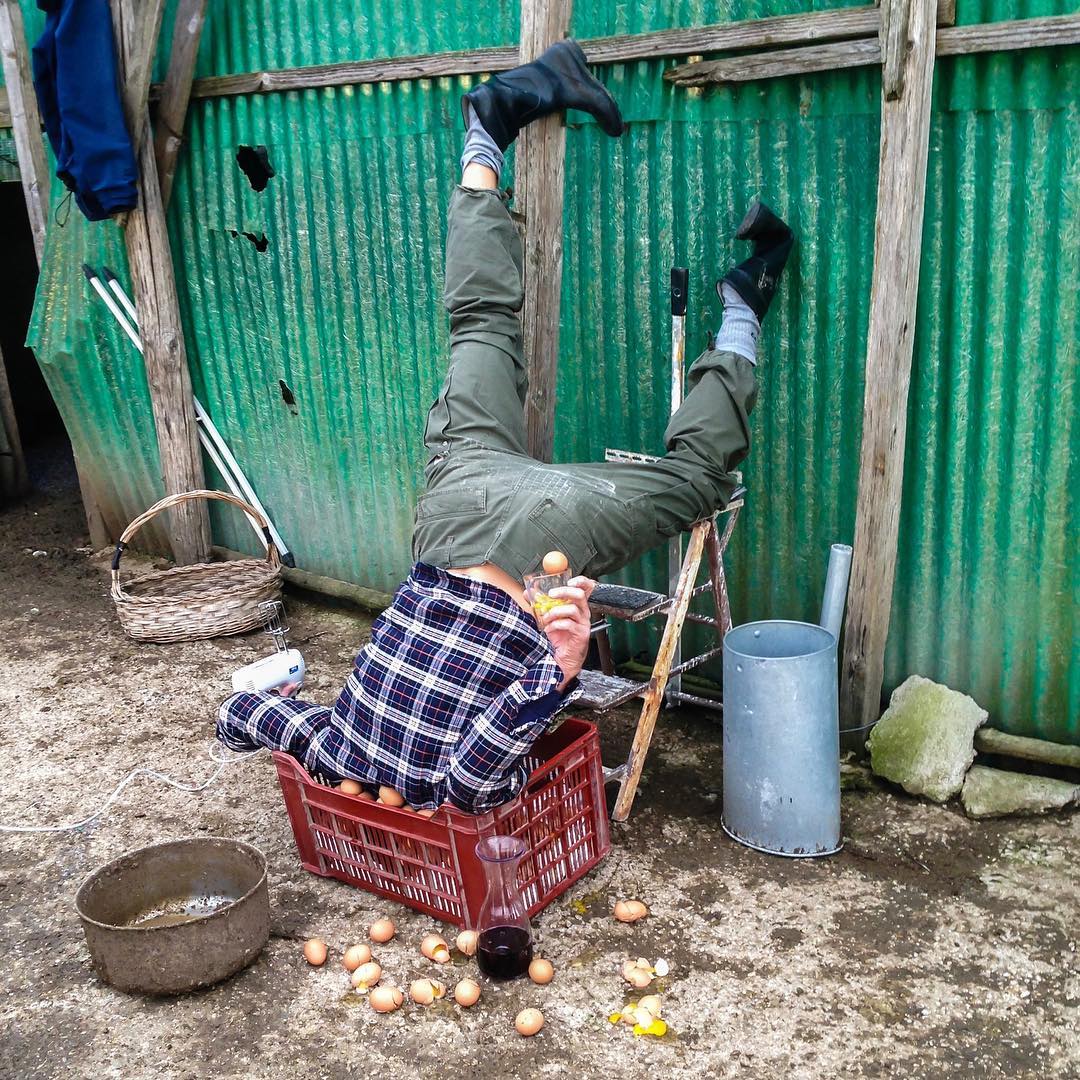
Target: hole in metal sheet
255,164
286,393
261,243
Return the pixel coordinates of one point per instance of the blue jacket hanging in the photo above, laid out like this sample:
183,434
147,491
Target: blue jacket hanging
78,92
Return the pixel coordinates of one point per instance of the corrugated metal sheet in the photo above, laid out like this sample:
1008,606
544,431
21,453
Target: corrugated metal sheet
343,307
9,160
92,370
341,312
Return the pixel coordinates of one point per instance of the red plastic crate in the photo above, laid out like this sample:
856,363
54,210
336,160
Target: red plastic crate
430,864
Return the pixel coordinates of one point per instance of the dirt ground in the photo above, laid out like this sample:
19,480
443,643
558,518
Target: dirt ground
931,947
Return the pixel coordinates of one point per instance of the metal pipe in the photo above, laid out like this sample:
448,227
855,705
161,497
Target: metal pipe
209,436
836,586
680,281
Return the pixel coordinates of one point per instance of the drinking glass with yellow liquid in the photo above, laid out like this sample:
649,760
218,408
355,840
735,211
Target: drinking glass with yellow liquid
538,586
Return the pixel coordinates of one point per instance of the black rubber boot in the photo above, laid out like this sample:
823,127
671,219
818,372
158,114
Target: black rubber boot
557,79
756,279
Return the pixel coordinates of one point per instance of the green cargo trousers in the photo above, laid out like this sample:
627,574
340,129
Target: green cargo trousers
487,500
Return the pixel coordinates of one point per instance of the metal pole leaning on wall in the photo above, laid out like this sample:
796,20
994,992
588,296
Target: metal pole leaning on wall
540,174
907,46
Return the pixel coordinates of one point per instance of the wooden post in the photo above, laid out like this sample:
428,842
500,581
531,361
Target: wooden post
176,92
907,41
13,478
25,120
541,155
154,285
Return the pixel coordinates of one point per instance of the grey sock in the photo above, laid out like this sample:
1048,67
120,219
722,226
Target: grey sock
740,328
480,146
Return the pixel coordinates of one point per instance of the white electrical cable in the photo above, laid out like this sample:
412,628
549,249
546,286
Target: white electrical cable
192,789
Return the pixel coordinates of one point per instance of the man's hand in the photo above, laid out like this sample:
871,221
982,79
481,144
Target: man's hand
567,626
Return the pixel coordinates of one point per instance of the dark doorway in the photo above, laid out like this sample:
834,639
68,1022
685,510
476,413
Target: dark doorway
44,441
39,421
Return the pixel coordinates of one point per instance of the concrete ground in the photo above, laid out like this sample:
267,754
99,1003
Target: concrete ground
931,947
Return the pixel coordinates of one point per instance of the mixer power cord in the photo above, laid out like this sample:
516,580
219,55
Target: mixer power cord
221,762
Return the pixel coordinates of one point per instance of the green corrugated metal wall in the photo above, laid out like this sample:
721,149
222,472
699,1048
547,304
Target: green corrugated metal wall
343,308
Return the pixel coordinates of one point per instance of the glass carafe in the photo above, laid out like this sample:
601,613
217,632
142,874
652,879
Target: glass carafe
505,948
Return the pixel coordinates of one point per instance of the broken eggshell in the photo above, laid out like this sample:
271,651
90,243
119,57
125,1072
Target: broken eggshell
386,999
434,947
425,991
354,956
468,941
629,911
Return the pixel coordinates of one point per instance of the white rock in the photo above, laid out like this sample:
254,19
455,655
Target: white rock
924,739
998,793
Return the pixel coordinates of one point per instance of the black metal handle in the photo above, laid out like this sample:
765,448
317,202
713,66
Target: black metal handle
680,284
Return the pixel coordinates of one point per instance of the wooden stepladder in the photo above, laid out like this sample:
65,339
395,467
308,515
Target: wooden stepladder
604,690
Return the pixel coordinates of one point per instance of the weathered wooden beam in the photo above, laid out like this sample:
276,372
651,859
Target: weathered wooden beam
539,180
154,286
358,595
176,92
991,741
827,25
13,477
5,108
25,120
901,196
951,41
654,693
774,65
745,34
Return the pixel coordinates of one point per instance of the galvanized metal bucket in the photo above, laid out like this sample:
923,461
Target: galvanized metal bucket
782,738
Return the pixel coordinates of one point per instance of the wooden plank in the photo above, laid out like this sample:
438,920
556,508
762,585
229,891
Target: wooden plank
951,41
176,91
745,34
774,65
5,108
654,693
25,120
13,477
355,73
1005,36
368,599
154,288
539,176
905,138
818,26
991,741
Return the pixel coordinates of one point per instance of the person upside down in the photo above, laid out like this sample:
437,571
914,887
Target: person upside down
460,677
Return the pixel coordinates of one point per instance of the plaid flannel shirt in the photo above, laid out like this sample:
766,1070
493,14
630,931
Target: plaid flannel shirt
442,704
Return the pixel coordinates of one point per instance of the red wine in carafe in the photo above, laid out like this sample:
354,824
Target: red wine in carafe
504,952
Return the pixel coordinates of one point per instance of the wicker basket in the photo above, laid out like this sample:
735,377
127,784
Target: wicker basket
205,600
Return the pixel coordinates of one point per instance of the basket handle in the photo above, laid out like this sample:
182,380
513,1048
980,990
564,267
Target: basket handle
272,555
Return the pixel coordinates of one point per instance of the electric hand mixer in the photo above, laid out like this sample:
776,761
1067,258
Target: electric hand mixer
281,667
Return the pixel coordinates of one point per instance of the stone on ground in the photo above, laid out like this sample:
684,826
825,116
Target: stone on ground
924,739
997,793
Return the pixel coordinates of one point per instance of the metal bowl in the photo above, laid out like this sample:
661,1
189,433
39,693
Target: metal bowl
174,917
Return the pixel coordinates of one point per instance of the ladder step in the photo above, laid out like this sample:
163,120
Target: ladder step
624,602
602,692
